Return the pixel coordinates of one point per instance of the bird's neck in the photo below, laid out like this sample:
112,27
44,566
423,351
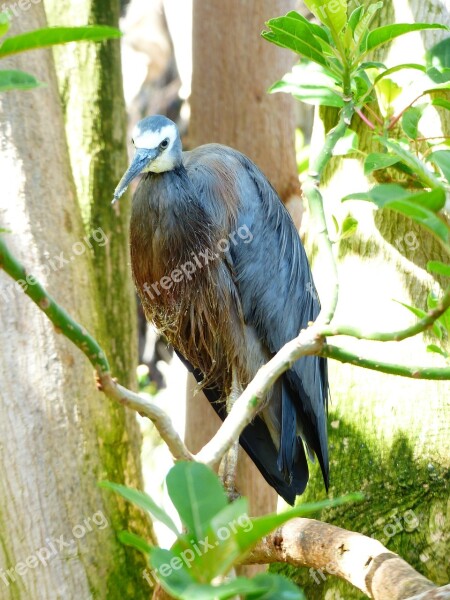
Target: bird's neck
169,225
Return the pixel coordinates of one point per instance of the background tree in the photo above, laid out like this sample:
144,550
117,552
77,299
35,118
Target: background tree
59,436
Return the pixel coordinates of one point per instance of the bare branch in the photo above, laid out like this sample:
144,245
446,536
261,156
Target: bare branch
152,411
250,401
328,550
393,336
433,373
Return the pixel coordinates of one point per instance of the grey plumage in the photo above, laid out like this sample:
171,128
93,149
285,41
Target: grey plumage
229,316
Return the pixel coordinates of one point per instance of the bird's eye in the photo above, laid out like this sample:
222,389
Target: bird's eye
164,143
132,141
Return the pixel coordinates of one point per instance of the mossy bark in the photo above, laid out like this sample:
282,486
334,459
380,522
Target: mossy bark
388,436
61,435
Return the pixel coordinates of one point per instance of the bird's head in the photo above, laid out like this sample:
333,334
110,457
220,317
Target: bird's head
158,149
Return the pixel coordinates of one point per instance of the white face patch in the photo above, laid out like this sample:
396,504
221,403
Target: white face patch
152,139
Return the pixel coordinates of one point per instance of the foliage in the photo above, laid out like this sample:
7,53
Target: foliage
216,536
336,70
42,38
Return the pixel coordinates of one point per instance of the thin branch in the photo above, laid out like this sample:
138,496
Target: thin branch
315,202
148,409
393,336
249,402
329,550
62,321
433,373
363,117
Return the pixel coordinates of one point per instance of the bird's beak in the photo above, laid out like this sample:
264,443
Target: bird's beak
141,159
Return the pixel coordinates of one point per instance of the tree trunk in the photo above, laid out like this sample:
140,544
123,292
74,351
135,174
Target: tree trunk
232,70
59,435
389,436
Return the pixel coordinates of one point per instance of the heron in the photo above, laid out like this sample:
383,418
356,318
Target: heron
221,272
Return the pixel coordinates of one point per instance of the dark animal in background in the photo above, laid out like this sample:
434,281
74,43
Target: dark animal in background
222,273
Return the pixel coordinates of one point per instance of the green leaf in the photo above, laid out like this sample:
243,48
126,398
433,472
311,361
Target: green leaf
437,329
434,266
262,526
411,160
386,33
437,350
143,501
294,34
222,535
4,23
363,25
387,90
51,36
197,494
441,158
439,55
413,205
135,541
355,18
349,227
310,83
317,95
277,588
441,102
17,80
176,578
410,120
347,144
332,13
378,160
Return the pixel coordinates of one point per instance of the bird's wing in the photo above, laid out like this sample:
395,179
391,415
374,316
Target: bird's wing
256,441
279,299
276,290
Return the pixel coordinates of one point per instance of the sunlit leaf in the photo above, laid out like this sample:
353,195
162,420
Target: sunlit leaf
51,36
387,91
364,23
413,205
437,350
349,227
355,18
387,33
421,314
332,13
310,83
17,80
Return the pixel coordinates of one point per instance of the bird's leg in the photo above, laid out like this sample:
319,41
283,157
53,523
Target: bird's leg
228,466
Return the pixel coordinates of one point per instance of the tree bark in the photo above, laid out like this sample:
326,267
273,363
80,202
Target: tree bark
232,70
59,435
388,436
